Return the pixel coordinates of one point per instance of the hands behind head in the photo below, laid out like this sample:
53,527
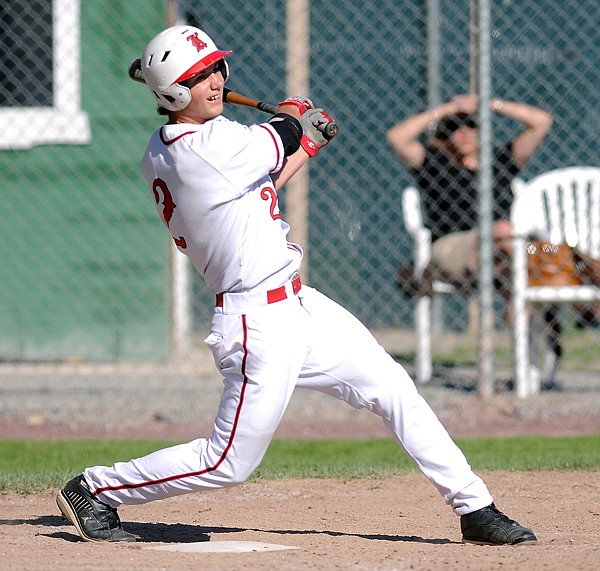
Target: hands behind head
465,103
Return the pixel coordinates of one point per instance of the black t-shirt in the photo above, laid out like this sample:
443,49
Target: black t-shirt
449,195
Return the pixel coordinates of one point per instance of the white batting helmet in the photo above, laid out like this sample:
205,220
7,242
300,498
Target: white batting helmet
174,55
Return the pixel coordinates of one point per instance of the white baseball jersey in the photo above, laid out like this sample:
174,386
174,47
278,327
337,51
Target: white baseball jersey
213,191
269,334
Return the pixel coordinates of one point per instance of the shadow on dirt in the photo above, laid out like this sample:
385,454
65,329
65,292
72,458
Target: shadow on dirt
185,533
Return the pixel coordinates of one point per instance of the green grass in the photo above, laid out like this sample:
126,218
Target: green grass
451,348
33,466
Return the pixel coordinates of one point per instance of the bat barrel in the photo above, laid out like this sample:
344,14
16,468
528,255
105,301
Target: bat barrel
135,71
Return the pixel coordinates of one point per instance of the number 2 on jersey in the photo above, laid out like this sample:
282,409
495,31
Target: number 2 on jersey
268,193
168,206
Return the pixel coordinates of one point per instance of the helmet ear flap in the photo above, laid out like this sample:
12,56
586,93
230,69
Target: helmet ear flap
174,98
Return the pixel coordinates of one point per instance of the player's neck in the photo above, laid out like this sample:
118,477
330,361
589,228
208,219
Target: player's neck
181,117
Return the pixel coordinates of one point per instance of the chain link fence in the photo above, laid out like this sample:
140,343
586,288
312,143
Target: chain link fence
88,270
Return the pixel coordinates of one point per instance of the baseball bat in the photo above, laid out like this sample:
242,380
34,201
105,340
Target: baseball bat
329,129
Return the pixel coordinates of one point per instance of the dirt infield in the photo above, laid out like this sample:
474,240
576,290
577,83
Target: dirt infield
399,523
360,525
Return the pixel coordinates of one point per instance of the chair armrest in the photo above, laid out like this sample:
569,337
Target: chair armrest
422,250
411,210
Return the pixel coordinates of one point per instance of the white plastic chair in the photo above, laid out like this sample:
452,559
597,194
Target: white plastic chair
413,221
562,205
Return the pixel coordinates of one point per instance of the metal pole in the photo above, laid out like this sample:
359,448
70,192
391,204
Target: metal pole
434,98
174,16
473,48
297,83
180,283
484,185
433,53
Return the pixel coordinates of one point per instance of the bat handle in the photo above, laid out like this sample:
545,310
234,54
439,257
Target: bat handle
267,107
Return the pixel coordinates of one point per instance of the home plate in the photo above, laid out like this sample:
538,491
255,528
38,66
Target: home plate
222,547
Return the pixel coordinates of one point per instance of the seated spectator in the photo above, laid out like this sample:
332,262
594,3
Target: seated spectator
445,169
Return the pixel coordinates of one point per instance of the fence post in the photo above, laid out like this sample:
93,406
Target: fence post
297,83
180,283
481,27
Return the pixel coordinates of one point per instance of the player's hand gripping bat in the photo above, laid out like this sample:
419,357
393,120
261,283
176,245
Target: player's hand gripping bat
329,129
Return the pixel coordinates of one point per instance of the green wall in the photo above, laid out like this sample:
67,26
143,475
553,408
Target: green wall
84,255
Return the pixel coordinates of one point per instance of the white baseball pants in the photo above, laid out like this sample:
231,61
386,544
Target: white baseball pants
264,351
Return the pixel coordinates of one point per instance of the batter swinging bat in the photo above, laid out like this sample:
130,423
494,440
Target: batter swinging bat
329,130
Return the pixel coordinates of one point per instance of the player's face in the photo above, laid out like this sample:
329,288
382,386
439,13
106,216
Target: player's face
207,95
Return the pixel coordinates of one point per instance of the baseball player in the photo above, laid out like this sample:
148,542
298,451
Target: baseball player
215,183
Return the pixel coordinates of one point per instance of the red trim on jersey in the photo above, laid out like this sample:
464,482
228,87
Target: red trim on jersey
165,142
275,143
227,448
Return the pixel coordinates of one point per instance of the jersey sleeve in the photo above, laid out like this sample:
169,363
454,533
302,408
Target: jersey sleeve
243,154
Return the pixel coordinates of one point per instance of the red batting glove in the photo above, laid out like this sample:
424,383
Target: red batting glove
301,103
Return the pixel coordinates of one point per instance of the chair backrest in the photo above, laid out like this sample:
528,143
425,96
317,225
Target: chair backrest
562,205
411,210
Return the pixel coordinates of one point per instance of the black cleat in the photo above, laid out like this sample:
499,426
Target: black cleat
489,526
94,520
